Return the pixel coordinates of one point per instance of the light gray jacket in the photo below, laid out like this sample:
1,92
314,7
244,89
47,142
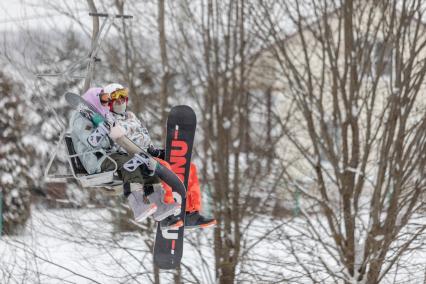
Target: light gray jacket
81,128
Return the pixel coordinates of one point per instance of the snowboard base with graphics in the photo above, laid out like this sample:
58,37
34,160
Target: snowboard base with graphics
181,124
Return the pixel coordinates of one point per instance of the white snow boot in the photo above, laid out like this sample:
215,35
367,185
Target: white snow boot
139,204
163,209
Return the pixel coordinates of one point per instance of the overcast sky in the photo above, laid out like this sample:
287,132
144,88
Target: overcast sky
28,14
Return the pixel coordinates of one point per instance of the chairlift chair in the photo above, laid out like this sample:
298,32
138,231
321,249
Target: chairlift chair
103,179
108,179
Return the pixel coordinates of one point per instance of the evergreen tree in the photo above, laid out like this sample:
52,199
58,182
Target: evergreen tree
15,156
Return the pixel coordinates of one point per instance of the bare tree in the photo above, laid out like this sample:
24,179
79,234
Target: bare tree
164,61
352,73
213,46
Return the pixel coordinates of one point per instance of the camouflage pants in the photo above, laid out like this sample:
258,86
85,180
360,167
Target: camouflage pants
128,177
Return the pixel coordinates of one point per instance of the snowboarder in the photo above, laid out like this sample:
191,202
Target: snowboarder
83,130
136,131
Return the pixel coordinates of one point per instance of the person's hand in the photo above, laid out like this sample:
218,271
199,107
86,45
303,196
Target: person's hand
97,119
156,152
117,132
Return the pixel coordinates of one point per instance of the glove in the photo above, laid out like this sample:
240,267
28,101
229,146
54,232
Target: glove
98,134
97,119
116,132
156,152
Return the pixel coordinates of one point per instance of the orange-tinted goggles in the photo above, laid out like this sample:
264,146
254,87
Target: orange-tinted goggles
105,98
122,93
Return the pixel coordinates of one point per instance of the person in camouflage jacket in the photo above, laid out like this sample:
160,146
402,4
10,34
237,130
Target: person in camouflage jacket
139,134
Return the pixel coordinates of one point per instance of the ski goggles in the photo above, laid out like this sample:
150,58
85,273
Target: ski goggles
120,94
105,98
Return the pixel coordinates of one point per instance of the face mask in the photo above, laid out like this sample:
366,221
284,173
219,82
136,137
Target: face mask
119,108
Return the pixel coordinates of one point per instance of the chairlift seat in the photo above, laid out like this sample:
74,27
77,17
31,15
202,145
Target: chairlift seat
75,161
103,179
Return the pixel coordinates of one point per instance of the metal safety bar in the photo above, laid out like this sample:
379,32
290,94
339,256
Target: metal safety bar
103,179
111,15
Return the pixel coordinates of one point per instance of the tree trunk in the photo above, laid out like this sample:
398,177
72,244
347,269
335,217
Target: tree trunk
164,62
156,274
177,275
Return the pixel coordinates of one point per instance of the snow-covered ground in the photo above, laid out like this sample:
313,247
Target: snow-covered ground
80,246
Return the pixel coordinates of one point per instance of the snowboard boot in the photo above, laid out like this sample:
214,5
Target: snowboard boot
171,222
163,209
140,206
193,220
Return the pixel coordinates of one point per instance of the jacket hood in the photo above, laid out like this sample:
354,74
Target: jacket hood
92,96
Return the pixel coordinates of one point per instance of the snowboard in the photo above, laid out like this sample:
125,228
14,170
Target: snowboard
181,124
162,172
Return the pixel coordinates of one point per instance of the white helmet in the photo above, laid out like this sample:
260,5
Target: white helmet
111,88
117,92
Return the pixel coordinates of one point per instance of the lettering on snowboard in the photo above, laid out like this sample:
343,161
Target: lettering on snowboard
177,162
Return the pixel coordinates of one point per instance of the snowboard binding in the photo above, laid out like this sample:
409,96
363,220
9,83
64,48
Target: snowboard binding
146,163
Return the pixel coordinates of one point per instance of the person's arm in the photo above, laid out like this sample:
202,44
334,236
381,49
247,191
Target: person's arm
150,148
81,128
136,131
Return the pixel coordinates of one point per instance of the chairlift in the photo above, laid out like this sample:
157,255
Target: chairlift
108,180
104,179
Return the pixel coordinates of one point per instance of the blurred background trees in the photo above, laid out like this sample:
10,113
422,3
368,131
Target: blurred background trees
311,121
16,154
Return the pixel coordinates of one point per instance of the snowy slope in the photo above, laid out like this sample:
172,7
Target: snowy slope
80,246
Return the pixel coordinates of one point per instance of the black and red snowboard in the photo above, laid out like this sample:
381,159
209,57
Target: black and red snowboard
181,124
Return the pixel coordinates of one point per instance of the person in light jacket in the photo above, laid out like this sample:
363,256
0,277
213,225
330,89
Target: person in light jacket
91,136
138,133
